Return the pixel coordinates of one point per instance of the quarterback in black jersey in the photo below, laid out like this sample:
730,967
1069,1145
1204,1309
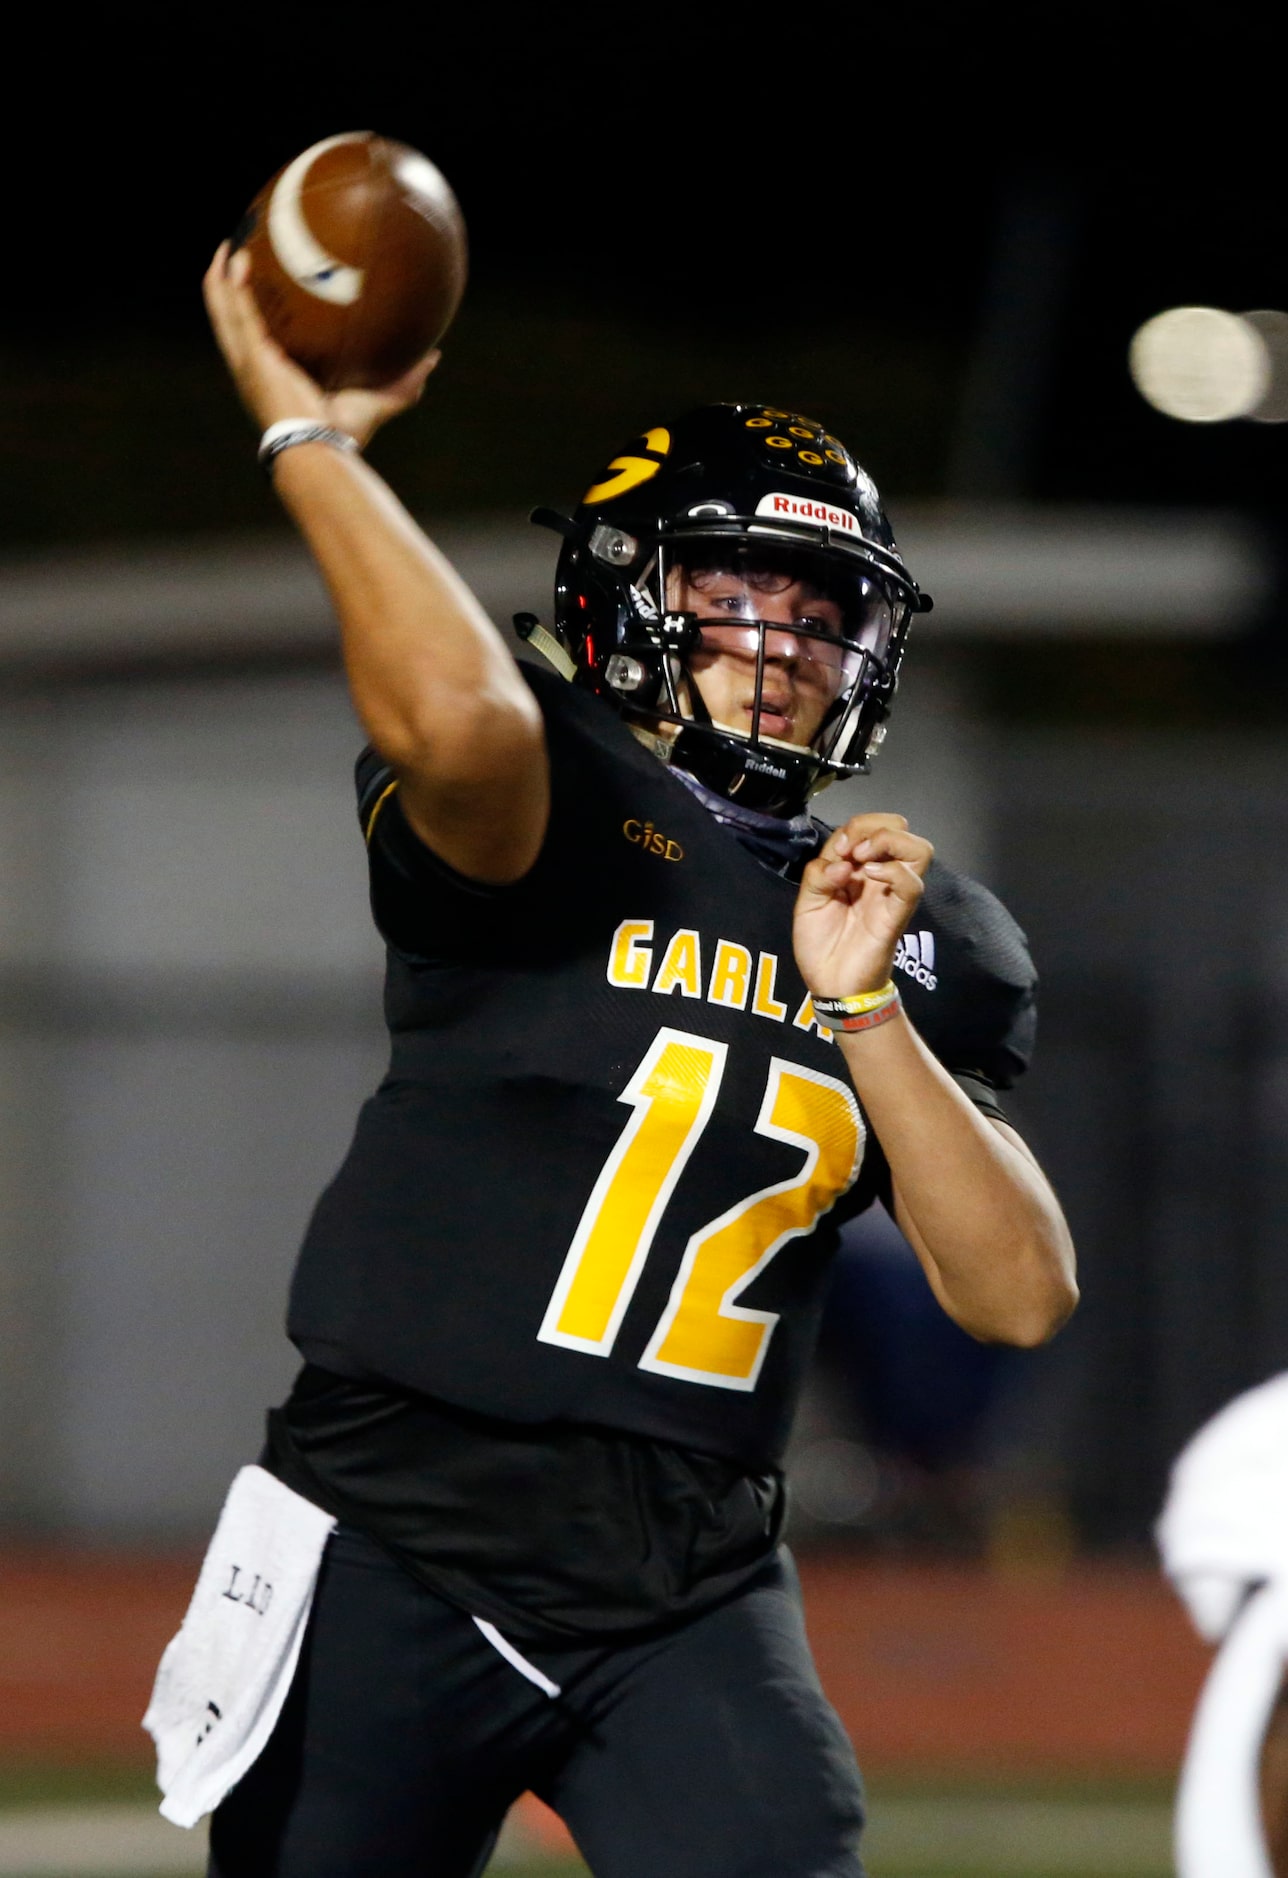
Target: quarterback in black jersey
656,1033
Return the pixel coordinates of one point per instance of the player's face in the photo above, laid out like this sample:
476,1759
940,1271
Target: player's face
805,665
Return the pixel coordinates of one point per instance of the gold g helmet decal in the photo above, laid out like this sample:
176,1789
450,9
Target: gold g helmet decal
813,446
628,472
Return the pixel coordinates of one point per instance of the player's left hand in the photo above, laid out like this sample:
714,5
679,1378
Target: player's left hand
856,897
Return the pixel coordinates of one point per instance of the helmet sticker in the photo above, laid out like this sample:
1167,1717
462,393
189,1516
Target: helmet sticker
631,471
814,447
802,509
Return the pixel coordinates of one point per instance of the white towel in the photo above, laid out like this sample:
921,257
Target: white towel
1224,1526
223,1679
1223,1535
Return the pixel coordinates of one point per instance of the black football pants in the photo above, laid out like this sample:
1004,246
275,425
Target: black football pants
709,1752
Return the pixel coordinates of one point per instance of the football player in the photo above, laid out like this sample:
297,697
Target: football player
655,1032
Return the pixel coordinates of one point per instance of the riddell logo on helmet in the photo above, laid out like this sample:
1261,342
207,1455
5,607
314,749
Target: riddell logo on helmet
763,767
801,509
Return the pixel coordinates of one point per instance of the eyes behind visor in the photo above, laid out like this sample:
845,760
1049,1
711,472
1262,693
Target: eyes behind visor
846,608
806,645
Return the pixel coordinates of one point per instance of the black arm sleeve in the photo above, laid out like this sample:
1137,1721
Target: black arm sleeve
982,1093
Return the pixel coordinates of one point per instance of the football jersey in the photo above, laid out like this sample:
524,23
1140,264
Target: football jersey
601,1181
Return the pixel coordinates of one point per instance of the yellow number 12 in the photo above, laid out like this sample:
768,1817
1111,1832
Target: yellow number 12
704,1334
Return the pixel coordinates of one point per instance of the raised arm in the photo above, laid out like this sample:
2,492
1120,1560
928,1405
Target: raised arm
969,1196
432,680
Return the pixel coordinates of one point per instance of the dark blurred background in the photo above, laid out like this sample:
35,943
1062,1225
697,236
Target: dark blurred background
938,237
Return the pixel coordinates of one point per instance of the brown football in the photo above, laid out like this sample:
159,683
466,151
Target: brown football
358,258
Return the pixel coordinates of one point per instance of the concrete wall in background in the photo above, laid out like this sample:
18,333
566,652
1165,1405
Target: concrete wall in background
190,1016
1149,872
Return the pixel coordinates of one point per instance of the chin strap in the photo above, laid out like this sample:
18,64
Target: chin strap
530,629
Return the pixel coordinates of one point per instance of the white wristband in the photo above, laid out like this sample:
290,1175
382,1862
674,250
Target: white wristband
292,430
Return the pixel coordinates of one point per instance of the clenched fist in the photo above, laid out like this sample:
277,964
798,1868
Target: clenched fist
855,900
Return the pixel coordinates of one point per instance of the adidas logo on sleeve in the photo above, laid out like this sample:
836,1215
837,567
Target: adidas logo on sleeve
916,957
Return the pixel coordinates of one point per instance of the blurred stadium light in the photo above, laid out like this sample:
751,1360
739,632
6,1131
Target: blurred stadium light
1206,366
1273,329
1200,364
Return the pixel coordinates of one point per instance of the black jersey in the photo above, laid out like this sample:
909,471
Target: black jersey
601,1181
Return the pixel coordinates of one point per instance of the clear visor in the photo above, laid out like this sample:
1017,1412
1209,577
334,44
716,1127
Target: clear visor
786,641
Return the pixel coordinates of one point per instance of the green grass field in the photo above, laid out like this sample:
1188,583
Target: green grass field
101,1823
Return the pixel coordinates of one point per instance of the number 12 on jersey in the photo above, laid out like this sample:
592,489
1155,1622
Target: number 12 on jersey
704,1334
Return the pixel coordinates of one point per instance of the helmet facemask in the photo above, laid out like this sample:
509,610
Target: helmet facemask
776,662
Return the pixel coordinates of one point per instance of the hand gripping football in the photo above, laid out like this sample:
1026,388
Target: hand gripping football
358,258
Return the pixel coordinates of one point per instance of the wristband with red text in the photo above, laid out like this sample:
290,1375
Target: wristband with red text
864,1011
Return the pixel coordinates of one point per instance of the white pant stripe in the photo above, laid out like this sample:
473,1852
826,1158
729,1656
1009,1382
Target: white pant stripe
521,1663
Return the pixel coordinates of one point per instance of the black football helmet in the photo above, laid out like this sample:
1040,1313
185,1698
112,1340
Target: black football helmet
692,533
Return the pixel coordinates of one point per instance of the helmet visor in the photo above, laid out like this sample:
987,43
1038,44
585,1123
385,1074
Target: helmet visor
785,642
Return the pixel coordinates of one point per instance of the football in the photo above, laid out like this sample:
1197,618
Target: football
358,258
